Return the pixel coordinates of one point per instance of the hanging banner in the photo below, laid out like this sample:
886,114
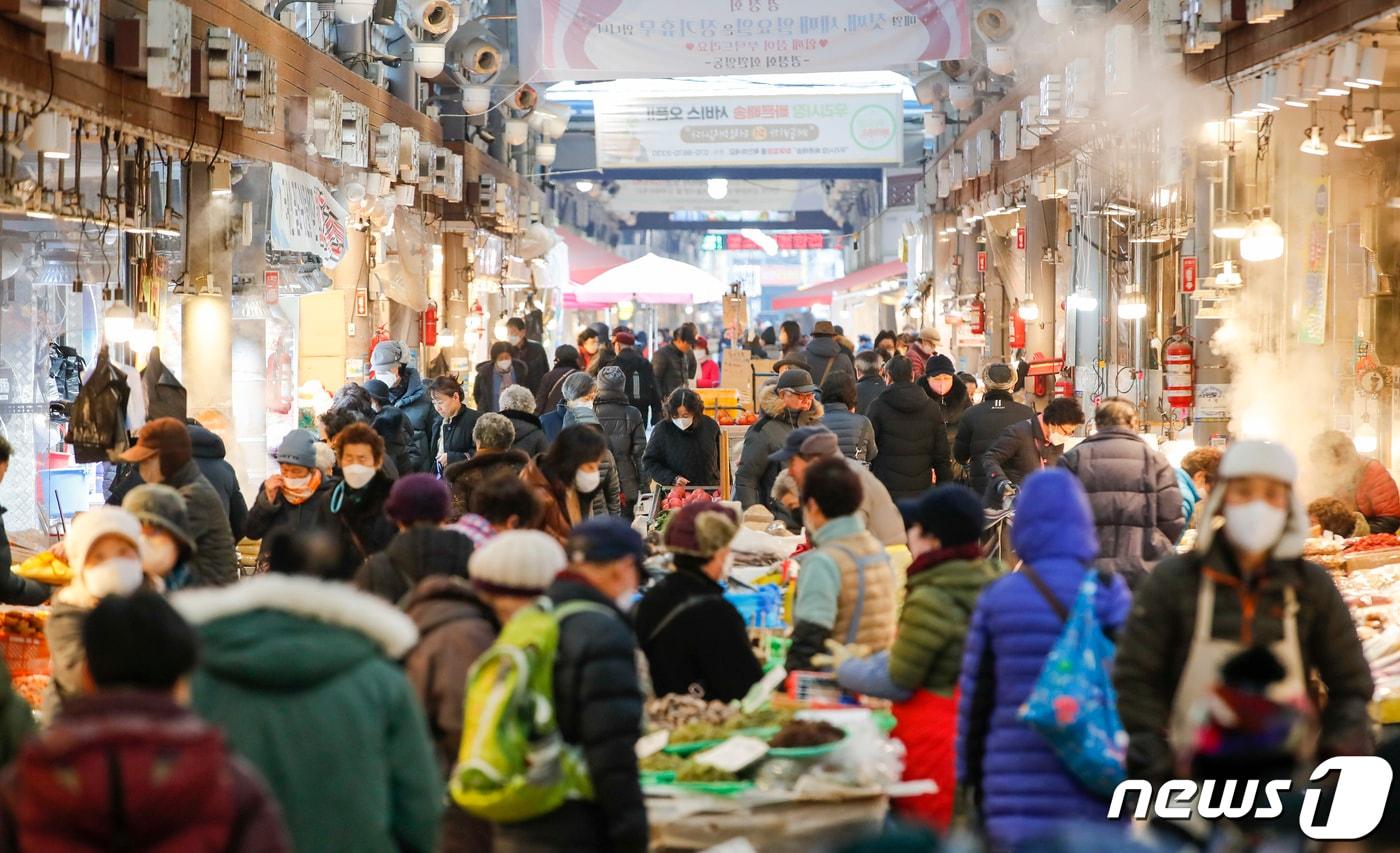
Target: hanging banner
606,39
748,130
305,216
1312,326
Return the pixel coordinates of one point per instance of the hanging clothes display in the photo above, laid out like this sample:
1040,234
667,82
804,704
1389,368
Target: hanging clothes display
165,396
98,423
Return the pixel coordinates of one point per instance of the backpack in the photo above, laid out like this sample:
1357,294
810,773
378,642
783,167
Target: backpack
1073,704
514,764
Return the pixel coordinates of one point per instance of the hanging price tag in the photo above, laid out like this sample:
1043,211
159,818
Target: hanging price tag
1188,274
1021,239
982,261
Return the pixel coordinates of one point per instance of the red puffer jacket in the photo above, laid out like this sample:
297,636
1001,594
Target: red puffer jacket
1376,494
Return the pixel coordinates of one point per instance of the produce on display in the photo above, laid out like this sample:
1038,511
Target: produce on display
1374,542
45,567
800,733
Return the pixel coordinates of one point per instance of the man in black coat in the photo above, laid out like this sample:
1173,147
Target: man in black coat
824,355
1025,447
639,380
453,424
984,423
597,697
395,428
551,387
674,364
869,383
527,352
407,390
910,434
1132,490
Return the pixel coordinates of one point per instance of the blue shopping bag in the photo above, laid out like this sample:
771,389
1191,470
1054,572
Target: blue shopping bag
1073,704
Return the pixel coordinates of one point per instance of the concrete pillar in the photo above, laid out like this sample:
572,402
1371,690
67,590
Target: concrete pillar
207,332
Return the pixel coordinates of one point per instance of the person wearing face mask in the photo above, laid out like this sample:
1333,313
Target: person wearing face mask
588,347
683,449
1245,584
783,407
920,671
499,372
597,698
166,544
568,480
708,375
407,391
452,425
291,498
693,638
353,512
104,548
529,354
626,432
1028,446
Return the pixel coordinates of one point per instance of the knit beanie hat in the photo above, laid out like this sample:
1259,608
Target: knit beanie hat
1258,458
90,526
939,365
516,562
998,377
611,378
418,497
578,385
377,390
952,513
299,448
163,507
700,529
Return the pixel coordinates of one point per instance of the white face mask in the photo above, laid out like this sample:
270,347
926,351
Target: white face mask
159,554
1058,439
1254,527
358,476
582,404
587,482
516,340
503,366
702,354
119,576
297,482
682,423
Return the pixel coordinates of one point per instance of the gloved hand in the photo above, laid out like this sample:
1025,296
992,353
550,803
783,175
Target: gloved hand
839,654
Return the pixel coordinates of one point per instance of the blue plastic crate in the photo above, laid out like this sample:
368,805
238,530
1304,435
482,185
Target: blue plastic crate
762,608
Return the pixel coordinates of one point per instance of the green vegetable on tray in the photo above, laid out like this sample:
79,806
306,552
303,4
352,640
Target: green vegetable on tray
694,772
662,762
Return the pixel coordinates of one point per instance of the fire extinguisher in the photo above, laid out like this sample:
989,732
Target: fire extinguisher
278,390
977,317
1179,367
381,334
430,324
1018,332
1064,387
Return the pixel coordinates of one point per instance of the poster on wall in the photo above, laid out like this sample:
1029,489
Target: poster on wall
606,39
1312,326
640,131
305,217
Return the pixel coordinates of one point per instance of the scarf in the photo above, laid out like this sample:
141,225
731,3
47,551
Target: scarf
297,497
934,559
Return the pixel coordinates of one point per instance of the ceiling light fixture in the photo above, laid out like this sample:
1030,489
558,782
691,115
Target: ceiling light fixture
1263,240
1027,310
476,100
517,131
1228,277
1348,138
1082,299
1343,74
1371,71
117,323
53,135
1289,88
1377,130
1132,306
545,152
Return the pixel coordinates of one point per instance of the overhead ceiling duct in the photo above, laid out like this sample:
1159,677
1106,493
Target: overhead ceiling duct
475,52
431,17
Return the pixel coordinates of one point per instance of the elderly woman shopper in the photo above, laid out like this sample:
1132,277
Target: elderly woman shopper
494,436
293,496
1246,584
684,448
419,505
353,512
920,672
694,640
568,480
1025,792
575,407
518,405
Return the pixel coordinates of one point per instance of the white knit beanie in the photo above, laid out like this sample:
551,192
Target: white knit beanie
1261,459
517,562
90,526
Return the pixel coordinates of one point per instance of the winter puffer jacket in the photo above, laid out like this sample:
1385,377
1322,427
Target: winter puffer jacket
692,636
1153,647
215,563
853,432
753,480
453,437
690,453
640,384
627,436
1136,502
673,368
413,555
267,516
1025,790
411,396
825,358
399,445
598,702
1376,493
1018,452
939,599
529,435
954,405
210,455
468,475
980,427
867,389
909,432
301,675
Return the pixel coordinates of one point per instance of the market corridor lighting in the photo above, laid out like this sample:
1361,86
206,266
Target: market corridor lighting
429,58
1348,138
934,124
1132,306
118,323
476,100
1082,299
1372,68
718,188
53,135
1365,438
1313,144
962,96
1229,225
1377,130
1001,58
1054,11
220,181
1263,240
1028,310
1343,74
517,131
545,152
1289,88
143,334
1229,277
353,11
583,186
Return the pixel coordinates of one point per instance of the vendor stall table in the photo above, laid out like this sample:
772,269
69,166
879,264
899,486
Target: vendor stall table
698,823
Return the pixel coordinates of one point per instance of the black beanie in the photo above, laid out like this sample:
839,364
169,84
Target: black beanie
952,513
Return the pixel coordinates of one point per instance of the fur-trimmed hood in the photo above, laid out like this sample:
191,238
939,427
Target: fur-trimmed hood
307,600
770,405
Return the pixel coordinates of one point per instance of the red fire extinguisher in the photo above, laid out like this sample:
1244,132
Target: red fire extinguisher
278,390
1064,387
1018,332
1179,368
430,324
977,317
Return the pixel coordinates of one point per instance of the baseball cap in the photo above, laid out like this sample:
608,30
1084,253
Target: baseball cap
602,540
162,435
798,381
808,441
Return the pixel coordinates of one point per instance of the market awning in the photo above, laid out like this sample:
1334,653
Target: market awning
587,260
820,294
654,280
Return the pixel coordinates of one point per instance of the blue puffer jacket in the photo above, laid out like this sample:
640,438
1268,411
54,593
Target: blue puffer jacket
1025,790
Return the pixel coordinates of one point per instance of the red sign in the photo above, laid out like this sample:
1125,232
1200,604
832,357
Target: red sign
271,280
806,240
981,261
1021,238
1188,275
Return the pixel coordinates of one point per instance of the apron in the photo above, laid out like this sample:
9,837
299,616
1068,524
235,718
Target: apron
927,726
1207,655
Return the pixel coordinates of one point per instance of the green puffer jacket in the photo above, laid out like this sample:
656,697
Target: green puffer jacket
300,673
941,595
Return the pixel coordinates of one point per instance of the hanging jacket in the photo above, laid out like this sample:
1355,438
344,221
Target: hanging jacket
980,427
912,440
66,369
690,453
529,434
165,396
215,563
302,676
411,556
1025,790
210,457
627,437
97,423
410,395
266,516
129,770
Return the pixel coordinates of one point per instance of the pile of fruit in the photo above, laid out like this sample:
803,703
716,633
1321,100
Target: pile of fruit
741,418
678,497
31,688
23,621
46,568
1374,542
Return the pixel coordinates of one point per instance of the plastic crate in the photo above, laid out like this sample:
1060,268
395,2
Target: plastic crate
66,487
818,690
26,655
762,608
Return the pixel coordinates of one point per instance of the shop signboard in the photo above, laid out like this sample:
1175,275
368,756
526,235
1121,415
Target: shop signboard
606,39
660,131
1189,270
305,217
1212,401
1021,239
981,261
1312,327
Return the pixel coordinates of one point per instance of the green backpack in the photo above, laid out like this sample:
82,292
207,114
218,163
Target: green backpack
513,764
